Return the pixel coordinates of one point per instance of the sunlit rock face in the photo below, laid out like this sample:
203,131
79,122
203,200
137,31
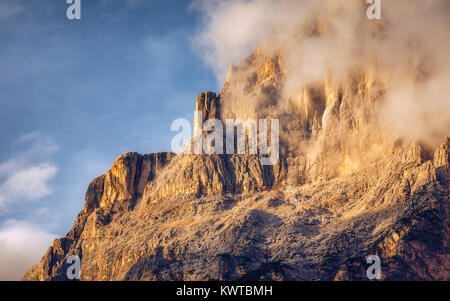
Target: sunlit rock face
328,128
342,190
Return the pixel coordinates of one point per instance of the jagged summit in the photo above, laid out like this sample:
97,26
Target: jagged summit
341,191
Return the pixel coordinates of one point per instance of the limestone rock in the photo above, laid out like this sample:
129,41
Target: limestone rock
441,162
340,192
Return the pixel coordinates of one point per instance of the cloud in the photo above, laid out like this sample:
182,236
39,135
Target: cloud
21,245
28,183
231,30
407,52
26,175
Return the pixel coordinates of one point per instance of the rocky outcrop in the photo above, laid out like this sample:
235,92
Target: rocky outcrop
441,162
208,105
340,192
319,231
125,182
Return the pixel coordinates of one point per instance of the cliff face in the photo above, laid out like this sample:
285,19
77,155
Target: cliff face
340,192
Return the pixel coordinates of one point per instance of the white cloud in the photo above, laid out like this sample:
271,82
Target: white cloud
29,183
26,175
21,245
407,52
24,178
231,30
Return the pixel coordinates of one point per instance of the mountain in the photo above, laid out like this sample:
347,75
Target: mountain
343,189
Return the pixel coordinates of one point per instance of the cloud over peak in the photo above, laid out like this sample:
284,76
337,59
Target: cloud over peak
408,51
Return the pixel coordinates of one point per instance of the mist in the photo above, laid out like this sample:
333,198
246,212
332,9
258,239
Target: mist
331,46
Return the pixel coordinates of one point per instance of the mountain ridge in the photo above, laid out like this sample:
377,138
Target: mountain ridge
341,191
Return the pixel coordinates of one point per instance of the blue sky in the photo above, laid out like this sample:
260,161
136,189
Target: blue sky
76,94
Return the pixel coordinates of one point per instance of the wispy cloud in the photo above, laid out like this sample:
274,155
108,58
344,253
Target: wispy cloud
21,245
28,183
26,175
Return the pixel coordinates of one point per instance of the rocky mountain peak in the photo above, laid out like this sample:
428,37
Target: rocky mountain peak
341,191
